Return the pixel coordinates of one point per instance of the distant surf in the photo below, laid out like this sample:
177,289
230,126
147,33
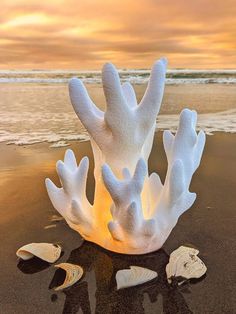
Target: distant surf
174,76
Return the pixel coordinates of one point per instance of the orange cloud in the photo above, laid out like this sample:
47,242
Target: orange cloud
83,34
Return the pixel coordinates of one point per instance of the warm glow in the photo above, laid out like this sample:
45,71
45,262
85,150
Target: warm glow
132,211
84,34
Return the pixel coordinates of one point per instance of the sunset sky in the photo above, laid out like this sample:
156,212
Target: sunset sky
76,34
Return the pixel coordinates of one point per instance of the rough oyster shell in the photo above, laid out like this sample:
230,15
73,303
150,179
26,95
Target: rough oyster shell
73,274
185,263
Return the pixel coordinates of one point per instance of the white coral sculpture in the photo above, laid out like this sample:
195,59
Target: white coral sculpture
132,211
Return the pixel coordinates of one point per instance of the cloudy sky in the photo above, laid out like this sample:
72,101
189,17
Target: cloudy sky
83,34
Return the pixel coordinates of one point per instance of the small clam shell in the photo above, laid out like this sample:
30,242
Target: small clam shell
73,274
134,276
185,263
46,251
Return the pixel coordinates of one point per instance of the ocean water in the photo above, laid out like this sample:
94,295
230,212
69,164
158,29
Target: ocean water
174,76
35,105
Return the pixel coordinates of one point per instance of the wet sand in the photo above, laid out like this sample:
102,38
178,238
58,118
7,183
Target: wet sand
25,210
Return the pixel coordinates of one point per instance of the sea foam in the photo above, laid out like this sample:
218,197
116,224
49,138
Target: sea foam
59,136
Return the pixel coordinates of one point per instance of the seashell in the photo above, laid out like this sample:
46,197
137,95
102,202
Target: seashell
134,276
185,263
73,274
46,251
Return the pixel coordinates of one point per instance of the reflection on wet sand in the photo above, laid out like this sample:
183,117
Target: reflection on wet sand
102,295
209,225
32,266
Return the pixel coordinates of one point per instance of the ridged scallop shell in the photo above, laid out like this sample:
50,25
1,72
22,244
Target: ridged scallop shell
46,251
185,263
134,276
73,274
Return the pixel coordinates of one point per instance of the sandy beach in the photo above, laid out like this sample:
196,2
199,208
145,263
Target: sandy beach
26,214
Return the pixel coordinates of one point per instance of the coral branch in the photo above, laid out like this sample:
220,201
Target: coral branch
127,190
70,200
128,224
129,94
130,126
183,151
151,102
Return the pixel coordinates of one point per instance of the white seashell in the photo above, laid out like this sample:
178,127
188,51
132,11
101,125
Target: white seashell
46,251
185,263
134,276
73,274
